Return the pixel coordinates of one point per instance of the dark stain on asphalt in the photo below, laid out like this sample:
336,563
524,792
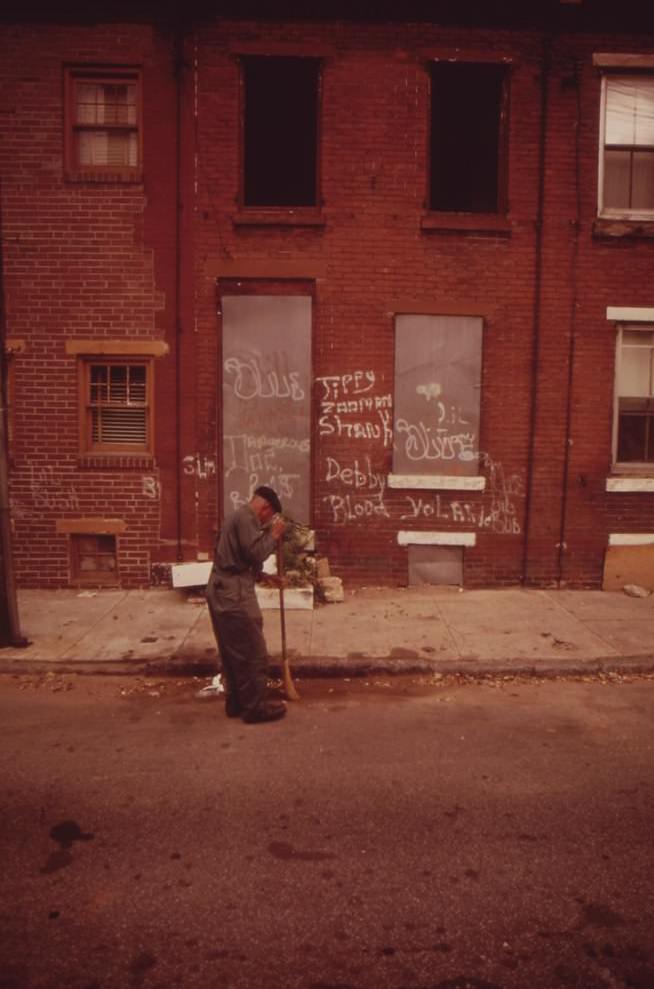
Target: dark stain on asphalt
139,966
599,915
286,852
67,832
64,834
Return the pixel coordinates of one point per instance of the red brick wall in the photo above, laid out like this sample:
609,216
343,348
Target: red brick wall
102,261
82,260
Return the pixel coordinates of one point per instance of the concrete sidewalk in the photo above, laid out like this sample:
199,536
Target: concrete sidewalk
375,630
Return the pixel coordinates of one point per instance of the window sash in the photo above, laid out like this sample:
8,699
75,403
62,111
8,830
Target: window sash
627,146
634,397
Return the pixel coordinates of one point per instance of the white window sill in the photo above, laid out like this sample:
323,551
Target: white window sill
631,538
409,537
618,484
437,482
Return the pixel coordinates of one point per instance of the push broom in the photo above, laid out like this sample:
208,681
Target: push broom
287,679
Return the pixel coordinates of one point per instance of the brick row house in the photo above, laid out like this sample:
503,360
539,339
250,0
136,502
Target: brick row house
401,269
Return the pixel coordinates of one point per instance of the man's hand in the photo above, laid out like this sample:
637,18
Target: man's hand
272,580
278,527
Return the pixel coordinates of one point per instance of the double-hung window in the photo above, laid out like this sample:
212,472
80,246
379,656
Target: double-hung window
634,396
117,406
626,186
103,124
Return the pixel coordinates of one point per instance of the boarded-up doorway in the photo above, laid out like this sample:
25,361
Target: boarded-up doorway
267,399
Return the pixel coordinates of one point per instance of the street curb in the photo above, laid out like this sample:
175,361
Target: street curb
334,667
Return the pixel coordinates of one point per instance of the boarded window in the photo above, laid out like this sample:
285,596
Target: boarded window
280,131
628,145
435,565
635,396
437,394
467,167
93,559
103,123
117,406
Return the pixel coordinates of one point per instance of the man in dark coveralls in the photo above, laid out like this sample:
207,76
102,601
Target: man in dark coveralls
247,538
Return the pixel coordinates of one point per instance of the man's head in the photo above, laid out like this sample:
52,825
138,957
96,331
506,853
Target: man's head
265,503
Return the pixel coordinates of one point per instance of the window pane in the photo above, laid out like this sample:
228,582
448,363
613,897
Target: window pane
99,384
635,372
115,425
631,437
645,112
617,166
280,134
105,148
643,180
136,385
466,102
106,103
620,111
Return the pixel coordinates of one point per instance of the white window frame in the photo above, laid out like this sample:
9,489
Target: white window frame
622,466
616,64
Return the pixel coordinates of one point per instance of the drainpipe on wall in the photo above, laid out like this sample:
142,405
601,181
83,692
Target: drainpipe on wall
562,547
10,634
179,82
535,355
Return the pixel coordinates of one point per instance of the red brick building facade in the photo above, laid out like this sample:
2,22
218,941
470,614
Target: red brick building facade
401,270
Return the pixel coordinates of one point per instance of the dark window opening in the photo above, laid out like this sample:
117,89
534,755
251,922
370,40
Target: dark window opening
466,147
280,131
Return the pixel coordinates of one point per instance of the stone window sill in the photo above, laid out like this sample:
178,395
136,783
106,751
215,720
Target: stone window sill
488,223
624,484
437,482
301,217
605,228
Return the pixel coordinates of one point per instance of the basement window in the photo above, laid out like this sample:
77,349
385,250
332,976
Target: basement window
634,398
103,124
467,137
93,559
116,412
280,131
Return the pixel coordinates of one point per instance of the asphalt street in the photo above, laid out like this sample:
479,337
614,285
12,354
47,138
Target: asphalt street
408,833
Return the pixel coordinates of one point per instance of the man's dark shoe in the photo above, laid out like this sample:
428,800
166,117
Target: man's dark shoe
232,706
265,711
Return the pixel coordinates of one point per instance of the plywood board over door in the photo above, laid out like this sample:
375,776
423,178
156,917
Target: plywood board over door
266,390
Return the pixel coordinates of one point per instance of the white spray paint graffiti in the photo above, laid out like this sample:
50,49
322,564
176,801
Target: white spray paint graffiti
197,465
248,380
261,458
496,511
423,442
49,491
348,395
151,487
363,494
